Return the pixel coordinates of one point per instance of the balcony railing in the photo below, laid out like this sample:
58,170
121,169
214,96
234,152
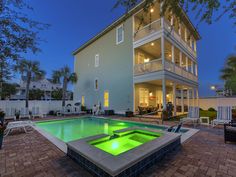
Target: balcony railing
178,38
156,26
152,66
147,30
156,65
169,66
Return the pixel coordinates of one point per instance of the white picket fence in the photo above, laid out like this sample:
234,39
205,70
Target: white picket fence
44,106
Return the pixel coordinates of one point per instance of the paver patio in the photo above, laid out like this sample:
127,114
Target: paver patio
205,154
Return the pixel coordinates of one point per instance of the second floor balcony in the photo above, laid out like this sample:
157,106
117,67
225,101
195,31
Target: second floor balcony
156,65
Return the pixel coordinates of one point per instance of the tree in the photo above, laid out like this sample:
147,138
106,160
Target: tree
65,76
18,35
31,71
228,73
57,94
8,90
206,11
36,94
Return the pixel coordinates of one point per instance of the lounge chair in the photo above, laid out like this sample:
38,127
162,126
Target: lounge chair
177,129
36,113
193,116
17,125
24,113
224,115
10,114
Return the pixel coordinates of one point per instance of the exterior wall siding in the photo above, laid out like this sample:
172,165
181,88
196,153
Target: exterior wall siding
114,74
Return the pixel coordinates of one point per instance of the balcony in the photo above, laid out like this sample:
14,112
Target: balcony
156,65
156,26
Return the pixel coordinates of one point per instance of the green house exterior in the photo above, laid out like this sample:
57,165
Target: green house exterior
132,64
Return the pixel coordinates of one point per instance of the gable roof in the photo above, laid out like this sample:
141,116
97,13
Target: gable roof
123,18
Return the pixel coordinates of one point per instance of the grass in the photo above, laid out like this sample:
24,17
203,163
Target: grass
203,113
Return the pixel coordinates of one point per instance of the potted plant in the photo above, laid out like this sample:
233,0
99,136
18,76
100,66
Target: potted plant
2,129
164,115
2,115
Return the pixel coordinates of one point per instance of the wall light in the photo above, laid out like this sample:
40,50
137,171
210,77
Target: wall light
152,10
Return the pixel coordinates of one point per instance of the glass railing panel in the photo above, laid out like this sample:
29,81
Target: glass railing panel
152,66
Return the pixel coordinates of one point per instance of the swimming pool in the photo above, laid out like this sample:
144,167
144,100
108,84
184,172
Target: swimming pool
78,128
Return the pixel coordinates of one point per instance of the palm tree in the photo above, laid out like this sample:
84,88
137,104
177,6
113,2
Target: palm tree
229,73
31,71
65,76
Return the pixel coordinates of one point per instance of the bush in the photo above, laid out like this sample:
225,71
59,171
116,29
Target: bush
211,114
52,113
200,109
212,110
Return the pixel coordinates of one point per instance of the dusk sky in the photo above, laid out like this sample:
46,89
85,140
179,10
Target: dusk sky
74,22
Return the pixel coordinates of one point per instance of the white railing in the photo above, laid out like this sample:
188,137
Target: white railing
156,65
178,38
147,30
169,66
152,66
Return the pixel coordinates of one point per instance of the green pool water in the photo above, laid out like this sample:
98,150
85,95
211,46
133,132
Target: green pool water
124,143
74,129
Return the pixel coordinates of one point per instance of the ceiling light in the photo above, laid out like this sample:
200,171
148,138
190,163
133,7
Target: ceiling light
170,55
152,10
152,44
146,60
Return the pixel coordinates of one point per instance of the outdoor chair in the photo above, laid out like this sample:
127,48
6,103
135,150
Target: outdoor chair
177,129
230,132
17,125
10,113
142,110
36,112
224,115
24,113
193,115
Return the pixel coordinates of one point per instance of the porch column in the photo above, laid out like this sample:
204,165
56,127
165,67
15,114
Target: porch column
173,53
187,63
193,97
180,59
188,95
163,51
182,100
174,97
164,93
197,95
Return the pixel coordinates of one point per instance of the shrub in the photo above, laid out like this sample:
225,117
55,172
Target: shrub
51,113
212,110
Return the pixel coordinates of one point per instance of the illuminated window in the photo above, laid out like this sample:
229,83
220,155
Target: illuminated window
82,101
96,84
120,34
143,97
96,61
106,99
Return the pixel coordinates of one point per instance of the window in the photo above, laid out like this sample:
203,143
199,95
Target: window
96,61
82,101
143,97
120,34
96,84
106,99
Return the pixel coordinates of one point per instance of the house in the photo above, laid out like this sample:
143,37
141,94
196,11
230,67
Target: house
141,59
45,85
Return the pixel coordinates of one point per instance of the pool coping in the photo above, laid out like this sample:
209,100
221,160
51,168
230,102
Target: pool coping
63,147
114,165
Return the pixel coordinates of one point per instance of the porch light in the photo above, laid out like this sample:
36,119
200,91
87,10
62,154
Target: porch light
146,60
152,10
152,44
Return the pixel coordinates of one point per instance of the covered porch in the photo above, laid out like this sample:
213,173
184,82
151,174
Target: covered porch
157,95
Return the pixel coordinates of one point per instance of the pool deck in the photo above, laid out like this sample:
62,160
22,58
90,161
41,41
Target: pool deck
204,154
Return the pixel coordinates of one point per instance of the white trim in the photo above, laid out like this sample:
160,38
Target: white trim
96,60
117,34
